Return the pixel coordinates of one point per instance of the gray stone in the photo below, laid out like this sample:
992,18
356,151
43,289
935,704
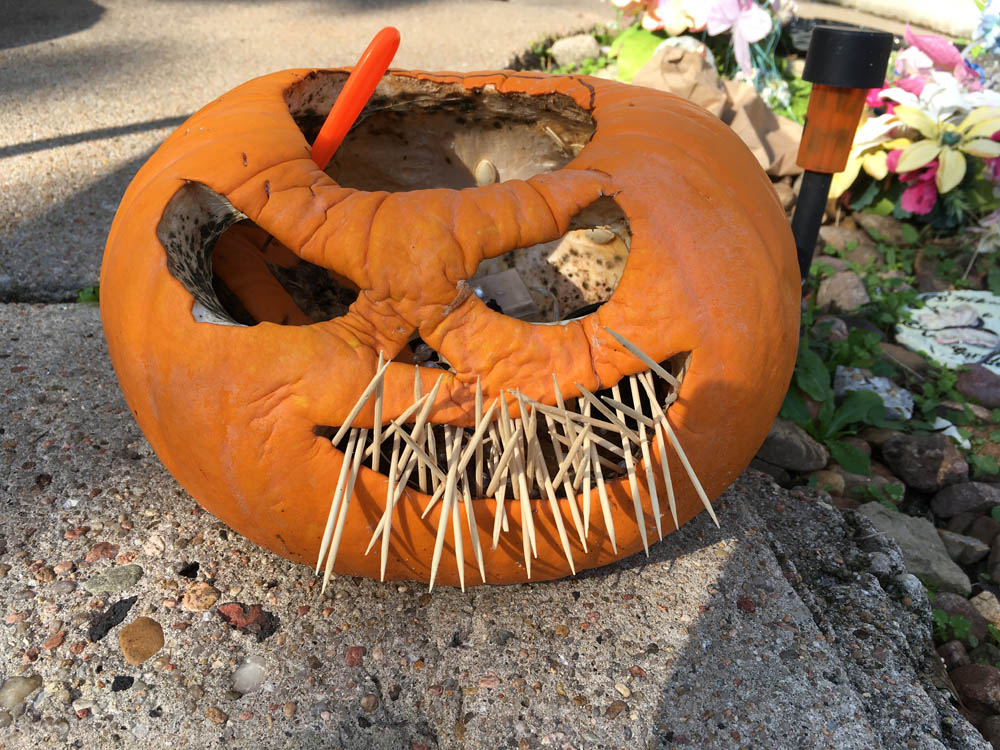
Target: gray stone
904,357
885,227
855,244
898,401
15,689
789,446
962,523
922,548
861,485
114,580
573,50
843,291
964,550
967,497
979,687
983,528
249,676
925,462
980,384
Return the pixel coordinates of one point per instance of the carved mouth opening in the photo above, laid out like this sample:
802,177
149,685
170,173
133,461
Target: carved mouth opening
549,434
421,134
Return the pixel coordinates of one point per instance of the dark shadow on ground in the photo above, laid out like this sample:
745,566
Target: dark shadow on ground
90,135
31,21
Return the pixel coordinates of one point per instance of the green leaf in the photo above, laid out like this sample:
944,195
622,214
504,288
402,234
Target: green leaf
794,409
993,280
859,406
867,196
634,47
910,233
851,458
812,376
88,294
984,465
882,208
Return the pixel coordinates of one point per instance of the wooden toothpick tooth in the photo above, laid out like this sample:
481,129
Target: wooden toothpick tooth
646,359
473,523
377,430
479,446
335,503
661,441
520,487
690,471
654,500
422,470
640,516
562,475
451,453
542,473
456,527
602,493
397,423
587,468
344,505
621,408
365,394
618,422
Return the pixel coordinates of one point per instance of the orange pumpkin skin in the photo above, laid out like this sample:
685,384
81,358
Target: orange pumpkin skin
230,410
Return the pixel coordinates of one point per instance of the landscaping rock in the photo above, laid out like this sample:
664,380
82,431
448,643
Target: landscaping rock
861,485
876,437
964,550
856,245
830,481
114,580
967,497
906,358
885,227
953,654
979,687
925,462
981,384
962,523
249,676
843,291
959,606
990,729
573,50
923,551
898,401
987,605
140,639
789,446
776,473
199,597
985,529
15,689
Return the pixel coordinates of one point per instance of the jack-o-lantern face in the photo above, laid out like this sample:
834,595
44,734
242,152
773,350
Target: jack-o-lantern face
552,305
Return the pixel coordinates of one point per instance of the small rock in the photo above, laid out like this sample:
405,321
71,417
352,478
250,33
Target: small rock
199,597
216,715
979,687
963,524
489,681
776,473
886,228
987,605
964,550
369,703
45,574
15,689
967,497
252,620
953,654
66,566
102,551
290,708
898,401
573,50
622,688
877,436
5,719
789,446
981,384
990,729
114,580
925,462
902,356
983,528
140,639
959,606
615,709
355,656
54,641
923,551
121,682
830,481
249,676
855,244
844,291
786,194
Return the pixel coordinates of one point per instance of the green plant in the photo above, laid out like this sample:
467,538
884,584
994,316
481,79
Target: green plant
89,294
984,465
887,494
952,627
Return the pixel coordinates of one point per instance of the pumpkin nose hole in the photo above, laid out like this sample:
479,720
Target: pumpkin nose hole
416,134
563,279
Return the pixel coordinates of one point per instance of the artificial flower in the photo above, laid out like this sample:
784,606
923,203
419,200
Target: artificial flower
746,21
675,16
947,143
871,144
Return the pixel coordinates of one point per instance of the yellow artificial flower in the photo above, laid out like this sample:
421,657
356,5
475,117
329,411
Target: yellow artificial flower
872,143
949,143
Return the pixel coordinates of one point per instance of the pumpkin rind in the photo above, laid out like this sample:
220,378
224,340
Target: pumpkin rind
231,410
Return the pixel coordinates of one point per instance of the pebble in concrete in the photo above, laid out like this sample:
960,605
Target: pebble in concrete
140,639
114,580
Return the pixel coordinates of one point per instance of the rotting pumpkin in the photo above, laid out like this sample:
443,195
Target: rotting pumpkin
269,321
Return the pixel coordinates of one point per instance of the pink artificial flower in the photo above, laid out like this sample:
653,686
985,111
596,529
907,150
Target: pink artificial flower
921,196
993,164
944,55
746,21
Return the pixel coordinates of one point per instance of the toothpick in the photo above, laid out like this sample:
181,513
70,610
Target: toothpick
451,452
640,516
377,432
389,505
520,487
479,446
335,503
647,382
362,399
499,474
654,499
621,408
562,475
342,515
473,523
647,360
569,426
690,472
587,469
602,493
619,425
422,470
542,472
456,527
397,423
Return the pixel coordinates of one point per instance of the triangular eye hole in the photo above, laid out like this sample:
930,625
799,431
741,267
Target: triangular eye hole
237,272
416,134
566,278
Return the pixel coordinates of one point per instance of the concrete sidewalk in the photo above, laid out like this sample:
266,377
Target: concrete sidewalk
792,626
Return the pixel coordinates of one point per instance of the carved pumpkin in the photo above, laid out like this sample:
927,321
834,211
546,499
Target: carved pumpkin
249,300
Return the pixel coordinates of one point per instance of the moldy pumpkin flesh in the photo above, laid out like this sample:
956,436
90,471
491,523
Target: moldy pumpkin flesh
247,295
